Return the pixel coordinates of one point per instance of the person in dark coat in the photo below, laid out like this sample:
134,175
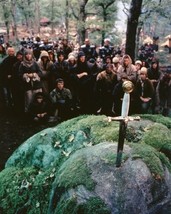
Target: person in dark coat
89,50
163,92
85,79
154,74
40,108
106,50
144,91
59,70
105,83
6,73
18,90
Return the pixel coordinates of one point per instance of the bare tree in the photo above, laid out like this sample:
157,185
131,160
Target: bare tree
37,16
67,18
82,20
13,14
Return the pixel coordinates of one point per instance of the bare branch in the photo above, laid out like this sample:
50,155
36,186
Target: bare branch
125,9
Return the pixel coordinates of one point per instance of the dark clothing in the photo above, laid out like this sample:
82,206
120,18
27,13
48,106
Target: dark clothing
37,108
18,90
6,83
85,86
62,102
118,94
145,89
34,83
164,95
104,88
7,69
59,70
105,51
89,51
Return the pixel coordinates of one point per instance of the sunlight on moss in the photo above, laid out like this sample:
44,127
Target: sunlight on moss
154,160
157,136
159,119
75,172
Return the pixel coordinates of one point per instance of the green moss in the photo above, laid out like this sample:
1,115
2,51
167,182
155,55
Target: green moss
68,206
93,206
153,159
159,119
110,158
75,172
157,135
39,196
12,193
96,128
34,199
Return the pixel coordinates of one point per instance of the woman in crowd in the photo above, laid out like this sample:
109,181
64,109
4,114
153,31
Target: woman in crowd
45,65
30,73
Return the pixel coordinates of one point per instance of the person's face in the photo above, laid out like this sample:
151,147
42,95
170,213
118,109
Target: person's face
109,68
126,61
108,60
154,65
87,42
28,56
61,57
65,42
40,99
72,61
11,51
138,66
107,43
82,59
44,58
143,76
19,57
60,85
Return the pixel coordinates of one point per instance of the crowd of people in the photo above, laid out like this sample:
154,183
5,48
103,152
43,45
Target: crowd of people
56,81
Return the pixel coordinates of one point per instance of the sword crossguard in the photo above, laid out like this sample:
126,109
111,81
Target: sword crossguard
126,119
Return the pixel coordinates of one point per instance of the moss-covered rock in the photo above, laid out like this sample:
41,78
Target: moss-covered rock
70,169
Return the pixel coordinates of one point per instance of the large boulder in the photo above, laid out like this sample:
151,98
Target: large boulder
71,169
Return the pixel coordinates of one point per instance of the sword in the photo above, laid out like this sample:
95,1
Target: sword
123,119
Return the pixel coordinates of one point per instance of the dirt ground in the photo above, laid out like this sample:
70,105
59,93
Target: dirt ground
14,130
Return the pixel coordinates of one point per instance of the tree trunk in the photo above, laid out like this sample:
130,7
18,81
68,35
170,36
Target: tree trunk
6,18
104,23
52,16
82,18
132,23
37,16
67,19
14,27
